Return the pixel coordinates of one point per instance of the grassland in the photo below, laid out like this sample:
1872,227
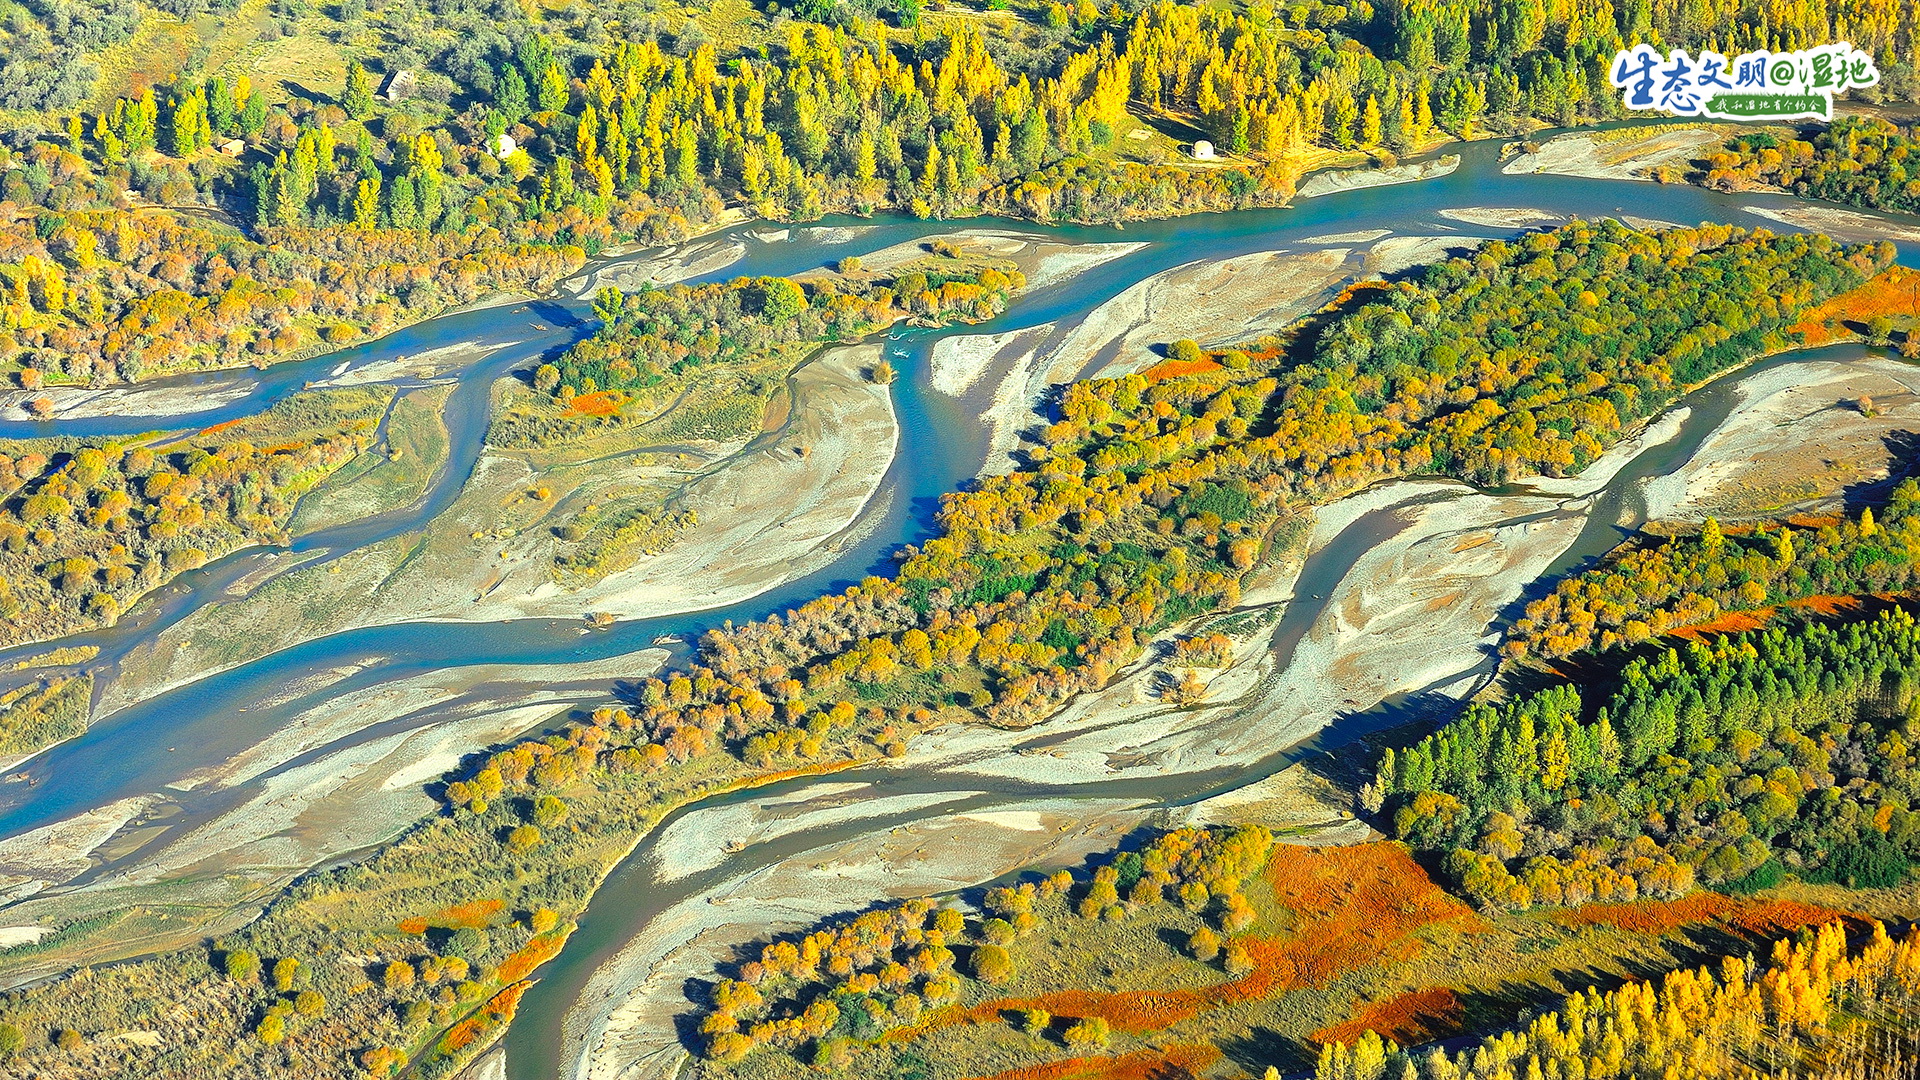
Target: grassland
1346,939
390,475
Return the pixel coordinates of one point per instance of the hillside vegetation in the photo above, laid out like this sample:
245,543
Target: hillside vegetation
222,213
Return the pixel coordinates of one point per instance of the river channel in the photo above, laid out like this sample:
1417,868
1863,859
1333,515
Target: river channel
157,741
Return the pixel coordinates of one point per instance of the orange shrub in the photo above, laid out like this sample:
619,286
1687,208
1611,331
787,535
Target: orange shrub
1412,1018
598,403
1894,291
531,955
1173,369
1756,917
1174,1063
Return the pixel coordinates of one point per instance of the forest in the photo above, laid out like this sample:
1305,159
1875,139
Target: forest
1730,761
88,528
306,222
1865,161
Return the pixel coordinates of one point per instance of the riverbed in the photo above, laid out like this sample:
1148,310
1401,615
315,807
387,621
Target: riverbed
1326,656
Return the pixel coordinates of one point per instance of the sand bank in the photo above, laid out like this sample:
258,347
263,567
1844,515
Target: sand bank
662,266
1837,223
1328,183
1623,154
1795,441
1502,217
155,400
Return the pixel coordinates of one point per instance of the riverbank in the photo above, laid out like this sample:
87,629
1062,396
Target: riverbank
1837,223
766,512
1799,440
1396,595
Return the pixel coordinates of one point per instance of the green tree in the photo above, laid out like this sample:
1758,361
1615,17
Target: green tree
242,965
1186,351
357,99
780,299
553,89
992,964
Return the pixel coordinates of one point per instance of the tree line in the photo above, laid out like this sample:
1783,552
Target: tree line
1863,160
1655,585
1816,1008
1730,762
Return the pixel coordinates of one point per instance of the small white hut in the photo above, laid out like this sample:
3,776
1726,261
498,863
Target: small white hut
1203,151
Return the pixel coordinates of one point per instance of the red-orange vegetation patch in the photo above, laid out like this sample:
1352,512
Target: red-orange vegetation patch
1758,917
1133,1011
531,955
1894,291
1173,369
222,426
1735,621
1832,605
598,403
1355,907
498,1011
1732,622
1772,918
1814,521
1412,1018
1174,1063
477,914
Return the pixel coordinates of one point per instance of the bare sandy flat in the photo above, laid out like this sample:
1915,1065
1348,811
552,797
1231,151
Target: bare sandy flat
1837,223
766,515
1043,259
960,361
22,935
427,364
1795,441
172,399
1361,236
1630,154
1501,217
1404,252
1328,183
694,258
